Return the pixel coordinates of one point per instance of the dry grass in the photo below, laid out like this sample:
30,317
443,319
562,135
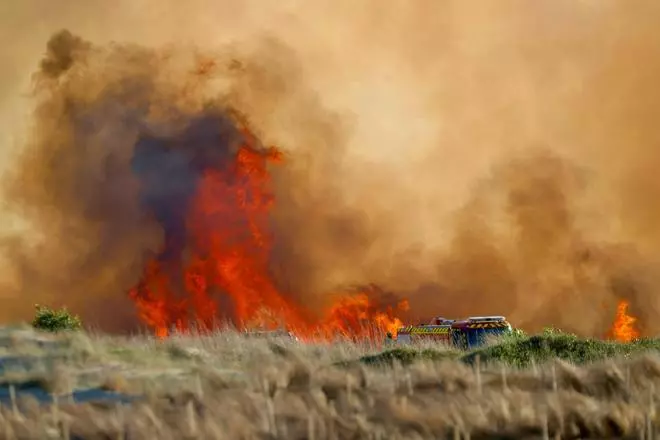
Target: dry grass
227,387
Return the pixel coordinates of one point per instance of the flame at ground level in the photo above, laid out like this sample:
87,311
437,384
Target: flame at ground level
624,329
221,271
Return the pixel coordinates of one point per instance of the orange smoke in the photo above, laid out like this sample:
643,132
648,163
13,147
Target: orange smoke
623,329
225,275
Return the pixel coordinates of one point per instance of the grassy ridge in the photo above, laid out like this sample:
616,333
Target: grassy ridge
522,351
226,386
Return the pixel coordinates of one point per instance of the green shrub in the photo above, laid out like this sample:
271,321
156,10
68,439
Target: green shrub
556,345
52,320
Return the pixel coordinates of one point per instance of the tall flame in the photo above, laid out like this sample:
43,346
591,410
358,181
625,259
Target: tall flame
225,273
624,329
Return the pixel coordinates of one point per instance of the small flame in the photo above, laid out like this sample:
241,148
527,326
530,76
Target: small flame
624,329
161,332
359,316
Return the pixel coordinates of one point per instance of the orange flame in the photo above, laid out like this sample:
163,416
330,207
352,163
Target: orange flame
228,248
359,316
623,329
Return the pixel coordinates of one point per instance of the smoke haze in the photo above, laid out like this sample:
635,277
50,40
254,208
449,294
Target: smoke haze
490,158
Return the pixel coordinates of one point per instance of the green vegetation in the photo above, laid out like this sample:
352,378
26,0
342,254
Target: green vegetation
519,350
542,348
52,320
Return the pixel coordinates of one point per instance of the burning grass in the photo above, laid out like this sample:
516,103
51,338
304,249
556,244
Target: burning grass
223,385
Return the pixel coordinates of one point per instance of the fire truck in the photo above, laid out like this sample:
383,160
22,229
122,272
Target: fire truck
464,334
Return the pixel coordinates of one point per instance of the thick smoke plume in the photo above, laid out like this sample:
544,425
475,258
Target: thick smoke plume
476,159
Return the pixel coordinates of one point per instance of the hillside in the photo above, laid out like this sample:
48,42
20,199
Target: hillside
225,387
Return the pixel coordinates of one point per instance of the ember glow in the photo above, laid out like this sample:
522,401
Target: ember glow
217,268
624,329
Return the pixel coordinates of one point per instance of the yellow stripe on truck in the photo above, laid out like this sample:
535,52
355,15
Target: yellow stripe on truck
489,325
429,331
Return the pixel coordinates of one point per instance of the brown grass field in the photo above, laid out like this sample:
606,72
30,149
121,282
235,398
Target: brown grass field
226,386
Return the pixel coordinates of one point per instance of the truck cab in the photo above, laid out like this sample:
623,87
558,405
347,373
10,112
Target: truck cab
474,331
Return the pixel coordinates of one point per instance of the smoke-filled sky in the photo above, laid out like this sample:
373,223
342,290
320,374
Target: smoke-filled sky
476,157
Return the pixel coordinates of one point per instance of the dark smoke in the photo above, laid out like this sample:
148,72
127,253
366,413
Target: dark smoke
169,169
62,51
109,174
121,138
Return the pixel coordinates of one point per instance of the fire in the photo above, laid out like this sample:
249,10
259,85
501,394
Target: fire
360,316
623,329
223,271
